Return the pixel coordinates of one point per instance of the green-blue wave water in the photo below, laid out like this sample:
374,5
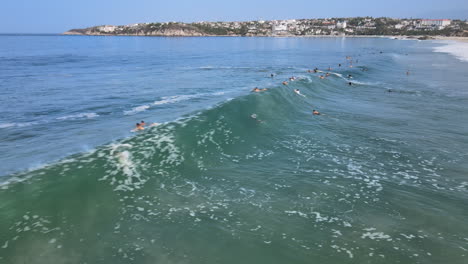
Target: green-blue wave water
232,176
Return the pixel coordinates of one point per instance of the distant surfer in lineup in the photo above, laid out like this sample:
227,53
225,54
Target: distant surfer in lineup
285,83
315,112
350,83
272,75
256,89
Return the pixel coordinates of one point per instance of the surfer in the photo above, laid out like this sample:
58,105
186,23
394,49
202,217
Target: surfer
285,83
350,83
254,116
328,74
339,65
350,76
316,70
256,89
322,77
142,123
272,75
315,112
298,92
138,127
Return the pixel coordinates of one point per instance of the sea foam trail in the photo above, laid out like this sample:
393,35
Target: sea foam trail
170,100
457,49
78,116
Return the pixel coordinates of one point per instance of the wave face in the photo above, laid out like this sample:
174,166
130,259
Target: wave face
261,177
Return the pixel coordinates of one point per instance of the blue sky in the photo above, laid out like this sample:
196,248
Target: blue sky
56,16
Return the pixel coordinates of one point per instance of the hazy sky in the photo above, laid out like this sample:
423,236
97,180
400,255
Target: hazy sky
56,16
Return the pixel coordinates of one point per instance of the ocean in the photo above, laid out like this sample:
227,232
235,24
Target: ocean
229,175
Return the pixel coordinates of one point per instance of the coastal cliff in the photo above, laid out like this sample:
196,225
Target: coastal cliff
359,26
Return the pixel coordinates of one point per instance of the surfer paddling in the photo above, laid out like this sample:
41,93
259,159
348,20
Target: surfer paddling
257,90
138,127
298,92
141,126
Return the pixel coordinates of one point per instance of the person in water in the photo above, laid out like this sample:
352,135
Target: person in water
285,83
350,76
272,75
328,74
254,116
139,127
299,92
339,65
142,123
322,77
315,112
256,89
350,83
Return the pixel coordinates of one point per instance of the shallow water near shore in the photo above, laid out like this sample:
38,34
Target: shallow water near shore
380,177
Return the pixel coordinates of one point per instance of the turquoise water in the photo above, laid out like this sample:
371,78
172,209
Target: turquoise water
379,177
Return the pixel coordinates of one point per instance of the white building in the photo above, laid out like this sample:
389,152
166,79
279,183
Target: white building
341,24
107,28
436,22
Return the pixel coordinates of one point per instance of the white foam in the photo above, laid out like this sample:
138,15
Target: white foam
457,49
179,98
137,109
6,125
78,116
376,236
174,99
169,100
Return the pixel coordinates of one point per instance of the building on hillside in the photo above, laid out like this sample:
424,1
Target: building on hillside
107,29
279,28
341,24
435,22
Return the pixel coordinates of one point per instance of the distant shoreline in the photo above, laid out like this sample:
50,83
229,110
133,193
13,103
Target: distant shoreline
396,37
